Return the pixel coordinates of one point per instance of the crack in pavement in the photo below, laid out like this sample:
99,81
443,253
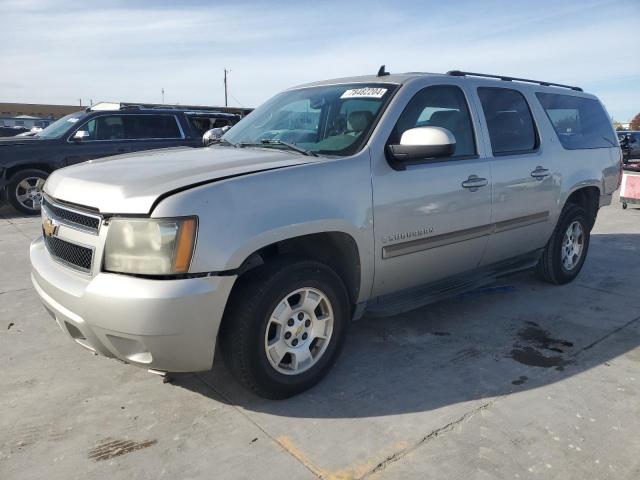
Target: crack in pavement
16,290
604,337
317,472
430,436
400,454
16,228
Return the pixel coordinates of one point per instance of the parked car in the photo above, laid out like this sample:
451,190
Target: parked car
372,195
12,131
30,133
102,130
630,144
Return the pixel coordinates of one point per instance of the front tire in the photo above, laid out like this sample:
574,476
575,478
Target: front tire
285,326
24,190
566,251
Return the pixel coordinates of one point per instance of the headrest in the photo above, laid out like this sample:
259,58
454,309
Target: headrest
444,116
359,120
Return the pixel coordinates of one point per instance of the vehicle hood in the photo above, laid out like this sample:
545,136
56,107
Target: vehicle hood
15,141
133,183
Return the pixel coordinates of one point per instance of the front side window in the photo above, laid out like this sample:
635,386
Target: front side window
579,122
439,106
132,127
329,120
509,120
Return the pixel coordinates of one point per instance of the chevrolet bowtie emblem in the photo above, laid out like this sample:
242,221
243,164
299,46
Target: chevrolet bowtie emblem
49,228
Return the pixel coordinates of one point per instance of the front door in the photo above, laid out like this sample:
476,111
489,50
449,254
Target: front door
431,220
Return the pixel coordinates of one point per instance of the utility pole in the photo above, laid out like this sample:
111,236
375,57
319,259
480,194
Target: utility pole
225,87
80,101
163,95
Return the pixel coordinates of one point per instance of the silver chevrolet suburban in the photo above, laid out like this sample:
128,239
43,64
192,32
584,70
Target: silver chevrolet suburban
366,195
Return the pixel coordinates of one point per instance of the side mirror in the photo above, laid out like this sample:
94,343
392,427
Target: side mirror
80,135
422,143
214,135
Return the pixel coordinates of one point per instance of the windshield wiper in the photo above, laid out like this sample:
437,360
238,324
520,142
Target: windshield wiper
227,142
290,146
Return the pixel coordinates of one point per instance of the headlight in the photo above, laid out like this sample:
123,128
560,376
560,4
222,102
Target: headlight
150,246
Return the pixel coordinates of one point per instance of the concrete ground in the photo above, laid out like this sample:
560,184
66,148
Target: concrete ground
519,380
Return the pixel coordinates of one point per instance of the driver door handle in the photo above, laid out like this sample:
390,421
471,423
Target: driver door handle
540,172
474,182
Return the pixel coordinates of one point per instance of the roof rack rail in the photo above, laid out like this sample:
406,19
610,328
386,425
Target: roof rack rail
458,73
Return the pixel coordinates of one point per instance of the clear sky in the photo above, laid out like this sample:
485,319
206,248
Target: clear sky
60,51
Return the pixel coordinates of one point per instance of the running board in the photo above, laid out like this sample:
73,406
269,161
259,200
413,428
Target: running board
416,297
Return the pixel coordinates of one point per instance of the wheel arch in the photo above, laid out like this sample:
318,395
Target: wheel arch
337,249
587,197
11,171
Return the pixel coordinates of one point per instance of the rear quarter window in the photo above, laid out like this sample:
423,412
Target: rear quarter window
579,122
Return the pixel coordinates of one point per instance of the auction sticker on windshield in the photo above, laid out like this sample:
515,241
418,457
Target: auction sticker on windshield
367,92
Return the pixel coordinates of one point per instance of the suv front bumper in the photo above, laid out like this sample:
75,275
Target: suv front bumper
165,325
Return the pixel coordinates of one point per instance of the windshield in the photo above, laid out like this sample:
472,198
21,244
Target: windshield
60,126
330,120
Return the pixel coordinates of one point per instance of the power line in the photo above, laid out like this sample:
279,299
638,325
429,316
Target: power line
236,100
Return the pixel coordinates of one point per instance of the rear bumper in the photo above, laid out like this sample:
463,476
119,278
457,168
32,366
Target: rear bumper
166,325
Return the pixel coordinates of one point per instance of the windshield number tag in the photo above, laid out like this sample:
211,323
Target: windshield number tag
367,92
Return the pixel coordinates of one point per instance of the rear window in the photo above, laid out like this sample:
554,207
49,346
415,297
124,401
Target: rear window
578,122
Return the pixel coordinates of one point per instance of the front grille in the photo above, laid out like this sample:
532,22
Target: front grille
72,255
72,218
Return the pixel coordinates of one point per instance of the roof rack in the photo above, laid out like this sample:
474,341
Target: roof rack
458,73
238,111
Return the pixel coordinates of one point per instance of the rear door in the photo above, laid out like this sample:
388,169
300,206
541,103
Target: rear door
432,218
524,194
150,131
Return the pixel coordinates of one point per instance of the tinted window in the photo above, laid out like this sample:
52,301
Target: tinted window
439,106
579,122
509,121
132,127
151,126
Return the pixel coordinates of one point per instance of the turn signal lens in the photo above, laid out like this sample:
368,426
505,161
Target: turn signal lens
184,246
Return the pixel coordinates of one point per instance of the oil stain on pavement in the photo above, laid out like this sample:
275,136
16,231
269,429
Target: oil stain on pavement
533,341
110,448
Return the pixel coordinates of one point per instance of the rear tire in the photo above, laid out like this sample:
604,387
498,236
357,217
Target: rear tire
567,248
285,326
24,190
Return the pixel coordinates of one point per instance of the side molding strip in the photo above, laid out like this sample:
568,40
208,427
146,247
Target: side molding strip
420,244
